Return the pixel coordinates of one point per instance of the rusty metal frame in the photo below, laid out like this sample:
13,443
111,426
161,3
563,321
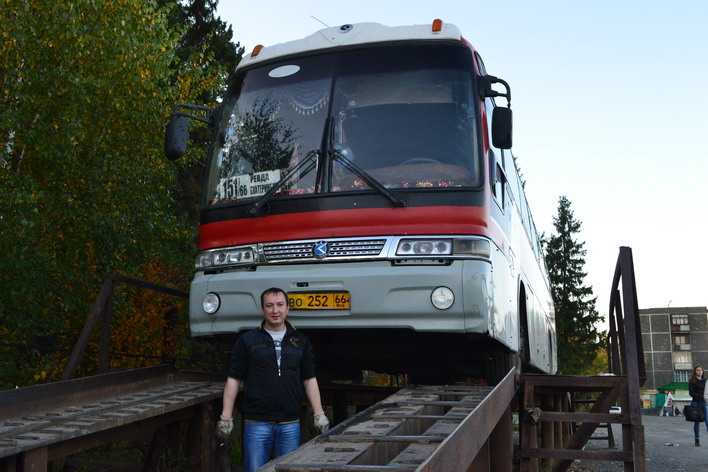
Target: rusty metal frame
47,422
479,435
459,450
102,311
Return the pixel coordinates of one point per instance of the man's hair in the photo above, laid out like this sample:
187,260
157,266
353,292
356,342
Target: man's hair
274,291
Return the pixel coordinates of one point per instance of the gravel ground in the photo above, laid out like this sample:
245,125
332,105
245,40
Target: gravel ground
669,447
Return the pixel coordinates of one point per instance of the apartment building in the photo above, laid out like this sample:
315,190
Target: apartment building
674,340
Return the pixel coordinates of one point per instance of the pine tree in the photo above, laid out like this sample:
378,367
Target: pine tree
576,315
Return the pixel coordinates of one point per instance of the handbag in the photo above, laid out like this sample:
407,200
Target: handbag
693,413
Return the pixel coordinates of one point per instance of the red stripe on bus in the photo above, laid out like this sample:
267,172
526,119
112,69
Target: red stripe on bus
347,223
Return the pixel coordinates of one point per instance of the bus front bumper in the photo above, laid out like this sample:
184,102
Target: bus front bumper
382,296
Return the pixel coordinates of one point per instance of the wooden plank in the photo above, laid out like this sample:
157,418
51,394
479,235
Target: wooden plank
582,417
530,427
585,430
547,437
573,454
460,448
571,382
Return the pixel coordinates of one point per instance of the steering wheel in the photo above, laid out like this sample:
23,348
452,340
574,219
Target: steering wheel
420,160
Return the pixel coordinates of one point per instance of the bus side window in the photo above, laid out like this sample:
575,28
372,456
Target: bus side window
499,186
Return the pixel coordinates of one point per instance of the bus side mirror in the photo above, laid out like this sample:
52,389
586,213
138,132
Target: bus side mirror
177,130
501,127
176,136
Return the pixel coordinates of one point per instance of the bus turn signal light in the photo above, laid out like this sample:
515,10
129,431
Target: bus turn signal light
256,50
437,25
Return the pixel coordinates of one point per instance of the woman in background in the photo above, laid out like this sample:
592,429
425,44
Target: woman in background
697,390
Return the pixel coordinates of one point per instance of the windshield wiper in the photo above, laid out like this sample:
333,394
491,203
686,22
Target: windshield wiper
371,181
310,159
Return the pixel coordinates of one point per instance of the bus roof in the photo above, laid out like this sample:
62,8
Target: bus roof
352,34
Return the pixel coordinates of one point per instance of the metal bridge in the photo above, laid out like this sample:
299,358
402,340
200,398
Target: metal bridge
418,428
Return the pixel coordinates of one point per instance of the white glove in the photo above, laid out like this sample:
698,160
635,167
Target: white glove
224,427
322,423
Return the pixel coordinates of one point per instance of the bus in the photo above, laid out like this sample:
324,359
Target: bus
367,171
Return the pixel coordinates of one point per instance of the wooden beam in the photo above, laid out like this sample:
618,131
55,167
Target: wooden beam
585,430
572,382
573,454
581,417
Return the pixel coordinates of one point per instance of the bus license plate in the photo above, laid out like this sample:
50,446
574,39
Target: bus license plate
319,301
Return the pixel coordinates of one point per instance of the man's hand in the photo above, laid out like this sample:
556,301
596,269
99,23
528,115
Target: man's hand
322,423
224,427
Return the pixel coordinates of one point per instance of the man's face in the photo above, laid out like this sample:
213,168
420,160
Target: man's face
275,310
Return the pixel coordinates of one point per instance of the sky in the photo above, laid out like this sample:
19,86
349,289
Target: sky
610,109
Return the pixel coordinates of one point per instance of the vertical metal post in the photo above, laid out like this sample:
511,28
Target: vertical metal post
106,320
36,460
501,445
481,462
91,319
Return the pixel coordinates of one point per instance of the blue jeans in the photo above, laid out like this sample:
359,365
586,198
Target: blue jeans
263,441
696,425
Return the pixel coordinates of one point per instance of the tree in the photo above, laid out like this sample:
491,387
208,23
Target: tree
576,316
206,43
85,89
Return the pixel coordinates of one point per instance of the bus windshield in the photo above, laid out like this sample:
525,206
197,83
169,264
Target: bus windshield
404,114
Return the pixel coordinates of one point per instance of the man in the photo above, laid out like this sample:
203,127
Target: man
276,366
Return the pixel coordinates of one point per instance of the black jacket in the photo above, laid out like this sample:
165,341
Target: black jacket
270,395
696,389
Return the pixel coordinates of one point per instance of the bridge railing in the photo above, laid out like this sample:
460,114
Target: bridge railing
102,312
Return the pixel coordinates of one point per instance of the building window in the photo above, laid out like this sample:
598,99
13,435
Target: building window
682,375
682,343
682,360
679,323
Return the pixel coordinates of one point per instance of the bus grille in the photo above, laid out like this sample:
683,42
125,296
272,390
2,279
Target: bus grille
340,249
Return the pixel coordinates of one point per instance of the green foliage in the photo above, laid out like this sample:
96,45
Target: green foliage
576,316
85,88
208,38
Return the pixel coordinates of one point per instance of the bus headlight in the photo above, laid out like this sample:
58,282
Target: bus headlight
424,247
442,298
226,257
473,246
211,303
479,247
